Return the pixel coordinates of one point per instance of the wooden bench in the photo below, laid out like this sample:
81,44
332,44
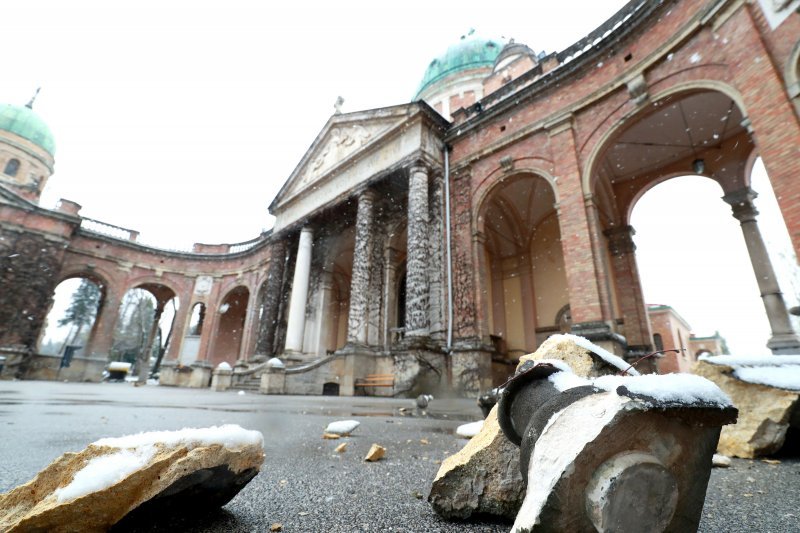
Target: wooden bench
375,380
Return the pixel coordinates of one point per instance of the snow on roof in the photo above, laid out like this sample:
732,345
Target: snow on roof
779,371
229,435
685,389
613,360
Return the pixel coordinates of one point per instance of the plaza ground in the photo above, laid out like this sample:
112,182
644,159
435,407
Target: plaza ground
304,484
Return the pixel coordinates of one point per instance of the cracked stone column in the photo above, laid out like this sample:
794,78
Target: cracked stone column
297,305
271,302
362,258
417,291
784,340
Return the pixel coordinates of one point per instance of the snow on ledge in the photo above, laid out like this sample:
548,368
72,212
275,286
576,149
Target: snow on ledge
613,360
779,371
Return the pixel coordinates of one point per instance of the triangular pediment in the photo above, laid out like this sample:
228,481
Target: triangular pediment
343,138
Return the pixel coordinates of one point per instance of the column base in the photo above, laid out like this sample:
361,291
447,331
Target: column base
784,344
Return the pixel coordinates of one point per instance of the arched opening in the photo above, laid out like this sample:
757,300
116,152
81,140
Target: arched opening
144,327
230,326
12,167
330,389
524,279
191,341
682,227
70,323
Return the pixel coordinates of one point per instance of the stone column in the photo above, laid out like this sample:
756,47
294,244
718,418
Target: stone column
629,289
144,354
272,297
103,336
417,290
784,340
297,305
362,258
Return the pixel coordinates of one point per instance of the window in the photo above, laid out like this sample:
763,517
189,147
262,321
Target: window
658,341
12,167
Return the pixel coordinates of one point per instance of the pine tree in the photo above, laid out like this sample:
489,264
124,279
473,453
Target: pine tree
82,309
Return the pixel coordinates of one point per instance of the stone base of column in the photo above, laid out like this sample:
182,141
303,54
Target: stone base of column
471,372
785,344
602,335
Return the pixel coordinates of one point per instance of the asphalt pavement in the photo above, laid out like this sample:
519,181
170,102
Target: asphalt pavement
304,484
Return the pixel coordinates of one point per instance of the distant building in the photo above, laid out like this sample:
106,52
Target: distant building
439,240
672,332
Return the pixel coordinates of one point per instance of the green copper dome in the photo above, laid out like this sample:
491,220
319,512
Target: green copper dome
22,121
469,53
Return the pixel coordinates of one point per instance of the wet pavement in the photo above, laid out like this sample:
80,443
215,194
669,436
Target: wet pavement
306,486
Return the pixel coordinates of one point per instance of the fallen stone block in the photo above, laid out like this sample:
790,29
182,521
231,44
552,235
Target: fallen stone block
621,454
135,477
484,477
766,390
342,427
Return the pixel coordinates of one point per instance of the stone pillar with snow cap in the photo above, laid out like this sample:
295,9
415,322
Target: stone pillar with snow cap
273,380
615,453
222,377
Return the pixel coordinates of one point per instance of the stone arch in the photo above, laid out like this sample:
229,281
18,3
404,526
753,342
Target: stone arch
488,183
651,185
521,262
791,74
81,333
607,139
231,315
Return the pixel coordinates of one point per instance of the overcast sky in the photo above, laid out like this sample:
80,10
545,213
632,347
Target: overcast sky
183,119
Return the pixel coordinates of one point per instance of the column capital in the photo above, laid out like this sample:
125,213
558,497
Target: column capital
366,194
419,166
620,239
741,202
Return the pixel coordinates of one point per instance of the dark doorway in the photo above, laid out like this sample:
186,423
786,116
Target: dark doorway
330,389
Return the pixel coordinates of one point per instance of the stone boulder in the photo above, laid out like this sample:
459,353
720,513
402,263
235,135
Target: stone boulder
765,411
134,478
484,477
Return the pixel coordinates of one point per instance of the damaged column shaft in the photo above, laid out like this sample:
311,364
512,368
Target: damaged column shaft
417,298
362,254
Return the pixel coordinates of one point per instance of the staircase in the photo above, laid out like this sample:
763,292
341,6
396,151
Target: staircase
250,384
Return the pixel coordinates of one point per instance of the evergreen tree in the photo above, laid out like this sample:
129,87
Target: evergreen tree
82,309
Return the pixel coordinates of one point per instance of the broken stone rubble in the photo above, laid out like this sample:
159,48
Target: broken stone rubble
90,490
765,412
484,477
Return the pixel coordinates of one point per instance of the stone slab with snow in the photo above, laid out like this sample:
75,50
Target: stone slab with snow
484,477
469,430
135,478
766,390
342,427
613,453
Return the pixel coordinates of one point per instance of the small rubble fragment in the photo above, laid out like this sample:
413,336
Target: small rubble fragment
469,430
720,461
341,448
276,527
342,427
330,436
375,453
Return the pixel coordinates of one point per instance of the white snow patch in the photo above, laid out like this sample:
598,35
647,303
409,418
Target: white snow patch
103,472
567,380
780,377
230,435
224,366
567,431
668,388
696,57
614,360
241,393
779,371
275,363
469,430
342,427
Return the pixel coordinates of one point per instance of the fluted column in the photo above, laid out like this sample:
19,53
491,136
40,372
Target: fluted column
417,293
297,305
784,339
629,288
362,259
